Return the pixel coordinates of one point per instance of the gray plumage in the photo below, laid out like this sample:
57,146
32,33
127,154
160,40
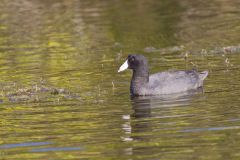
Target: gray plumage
167,82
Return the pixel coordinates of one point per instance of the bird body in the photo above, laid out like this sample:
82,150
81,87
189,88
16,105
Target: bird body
167,82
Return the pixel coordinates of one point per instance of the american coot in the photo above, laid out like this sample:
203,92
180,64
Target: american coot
167,82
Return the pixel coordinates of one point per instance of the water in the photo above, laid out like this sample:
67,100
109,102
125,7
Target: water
62,98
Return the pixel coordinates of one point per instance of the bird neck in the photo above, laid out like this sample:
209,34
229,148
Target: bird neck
140,78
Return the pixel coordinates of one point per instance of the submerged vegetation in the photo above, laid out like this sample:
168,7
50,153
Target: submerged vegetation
40,92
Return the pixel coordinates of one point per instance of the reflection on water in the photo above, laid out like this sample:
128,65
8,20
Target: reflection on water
142,105
24,144
61,96
159,107
56,149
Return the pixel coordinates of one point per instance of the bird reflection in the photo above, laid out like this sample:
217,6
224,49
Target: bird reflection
149,112
142,105
149,108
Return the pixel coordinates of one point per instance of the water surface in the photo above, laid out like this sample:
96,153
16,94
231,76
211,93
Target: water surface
62,98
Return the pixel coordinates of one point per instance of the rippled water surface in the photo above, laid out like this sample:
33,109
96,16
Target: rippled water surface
62,98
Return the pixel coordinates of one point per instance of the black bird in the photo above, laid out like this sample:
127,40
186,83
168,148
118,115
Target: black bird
167,82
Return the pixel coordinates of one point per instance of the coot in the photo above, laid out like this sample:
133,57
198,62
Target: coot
167,82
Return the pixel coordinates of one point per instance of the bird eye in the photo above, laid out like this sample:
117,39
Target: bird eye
131,58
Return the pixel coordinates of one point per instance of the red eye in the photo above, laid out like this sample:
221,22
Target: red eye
132,59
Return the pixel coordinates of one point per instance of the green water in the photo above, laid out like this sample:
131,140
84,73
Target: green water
62,98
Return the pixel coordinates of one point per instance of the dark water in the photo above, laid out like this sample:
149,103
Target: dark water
62,98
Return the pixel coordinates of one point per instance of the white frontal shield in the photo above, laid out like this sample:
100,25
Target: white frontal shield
124,66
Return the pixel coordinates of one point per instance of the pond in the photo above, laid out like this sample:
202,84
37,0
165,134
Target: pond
62,98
